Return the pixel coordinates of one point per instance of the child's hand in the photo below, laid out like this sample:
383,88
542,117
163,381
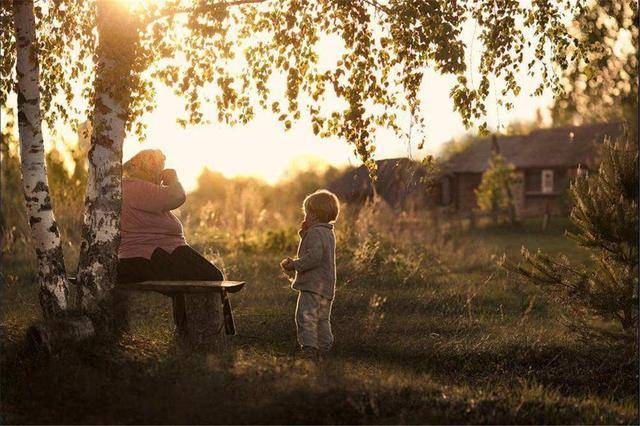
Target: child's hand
287,264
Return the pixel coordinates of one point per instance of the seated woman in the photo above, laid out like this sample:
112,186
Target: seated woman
153,246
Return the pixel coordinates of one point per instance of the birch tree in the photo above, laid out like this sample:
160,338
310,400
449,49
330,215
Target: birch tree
115,55
44,230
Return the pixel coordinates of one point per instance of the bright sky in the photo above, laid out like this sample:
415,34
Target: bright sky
263,149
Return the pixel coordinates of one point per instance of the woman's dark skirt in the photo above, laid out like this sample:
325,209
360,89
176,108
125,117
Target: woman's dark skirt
183,264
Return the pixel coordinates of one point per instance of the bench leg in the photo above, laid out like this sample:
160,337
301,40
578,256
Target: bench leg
199,320
179,316
229,323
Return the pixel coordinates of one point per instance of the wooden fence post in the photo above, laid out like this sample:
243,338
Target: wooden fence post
547,214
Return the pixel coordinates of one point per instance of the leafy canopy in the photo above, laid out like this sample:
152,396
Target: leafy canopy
603,84
369,55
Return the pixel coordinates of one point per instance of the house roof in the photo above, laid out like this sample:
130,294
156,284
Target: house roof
397,180
557,147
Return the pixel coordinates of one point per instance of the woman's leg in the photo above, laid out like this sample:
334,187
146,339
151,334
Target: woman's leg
184,263
135,269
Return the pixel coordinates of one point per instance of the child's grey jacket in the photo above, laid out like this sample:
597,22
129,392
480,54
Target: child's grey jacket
316,261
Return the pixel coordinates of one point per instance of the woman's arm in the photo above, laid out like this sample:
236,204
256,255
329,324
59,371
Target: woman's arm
151,197
175,192
175,196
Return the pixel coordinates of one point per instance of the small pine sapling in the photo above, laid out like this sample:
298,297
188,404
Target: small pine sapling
605,217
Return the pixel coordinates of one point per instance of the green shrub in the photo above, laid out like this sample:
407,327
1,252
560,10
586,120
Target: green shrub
494,192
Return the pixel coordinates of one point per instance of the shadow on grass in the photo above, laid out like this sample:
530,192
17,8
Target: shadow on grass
573,371
440,340
100,384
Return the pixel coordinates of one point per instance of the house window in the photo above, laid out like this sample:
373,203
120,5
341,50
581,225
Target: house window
547,181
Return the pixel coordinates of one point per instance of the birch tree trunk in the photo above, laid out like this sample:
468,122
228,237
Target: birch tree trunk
44,230
117,35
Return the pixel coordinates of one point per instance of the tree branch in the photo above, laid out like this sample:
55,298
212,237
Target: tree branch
377,6
200,9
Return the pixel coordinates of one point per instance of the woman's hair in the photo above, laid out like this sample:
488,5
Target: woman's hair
322,204
144,165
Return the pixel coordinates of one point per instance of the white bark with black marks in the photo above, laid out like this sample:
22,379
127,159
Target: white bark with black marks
44,230
101,228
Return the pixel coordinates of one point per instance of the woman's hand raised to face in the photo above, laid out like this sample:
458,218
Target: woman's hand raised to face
173,193
168,176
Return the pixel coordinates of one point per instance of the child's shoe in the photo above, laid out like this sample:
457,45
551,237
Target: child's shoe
325,353
310,353
296,350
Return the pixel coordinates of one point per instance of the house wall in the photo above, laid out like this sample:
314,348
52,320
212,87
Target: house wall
537,203
527,192
533,179
518,191
425,198
464,193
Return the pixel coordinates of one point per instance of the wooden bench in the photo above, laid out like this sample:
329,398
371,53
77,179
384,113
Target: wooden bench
173,287
74,327
179,290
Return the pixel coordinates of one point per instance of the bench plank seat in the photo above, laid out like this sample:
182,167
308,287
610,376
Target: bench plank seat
170,287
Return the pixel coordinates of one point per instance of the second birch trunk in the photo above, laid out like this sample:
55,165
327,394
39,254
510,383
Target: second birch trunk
101,228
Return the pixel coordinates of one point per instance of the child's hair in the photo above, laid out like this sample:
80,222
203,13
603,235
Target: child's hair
324,205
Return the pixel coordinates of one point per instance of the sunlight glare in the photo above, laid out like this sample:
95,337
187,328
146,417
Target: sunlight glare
141,4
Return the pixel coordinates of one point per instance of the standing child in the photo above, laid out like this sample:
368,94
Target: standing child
315,268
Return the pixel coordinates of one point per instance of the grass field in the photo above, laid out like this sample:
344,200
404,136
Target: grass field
428,330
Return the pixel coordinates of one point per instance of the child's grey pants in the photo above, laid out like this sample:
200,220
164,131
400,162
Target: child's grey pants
313,316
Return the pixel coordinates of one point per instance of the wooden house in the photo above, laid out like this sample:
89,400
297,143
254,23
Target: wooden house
545,161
